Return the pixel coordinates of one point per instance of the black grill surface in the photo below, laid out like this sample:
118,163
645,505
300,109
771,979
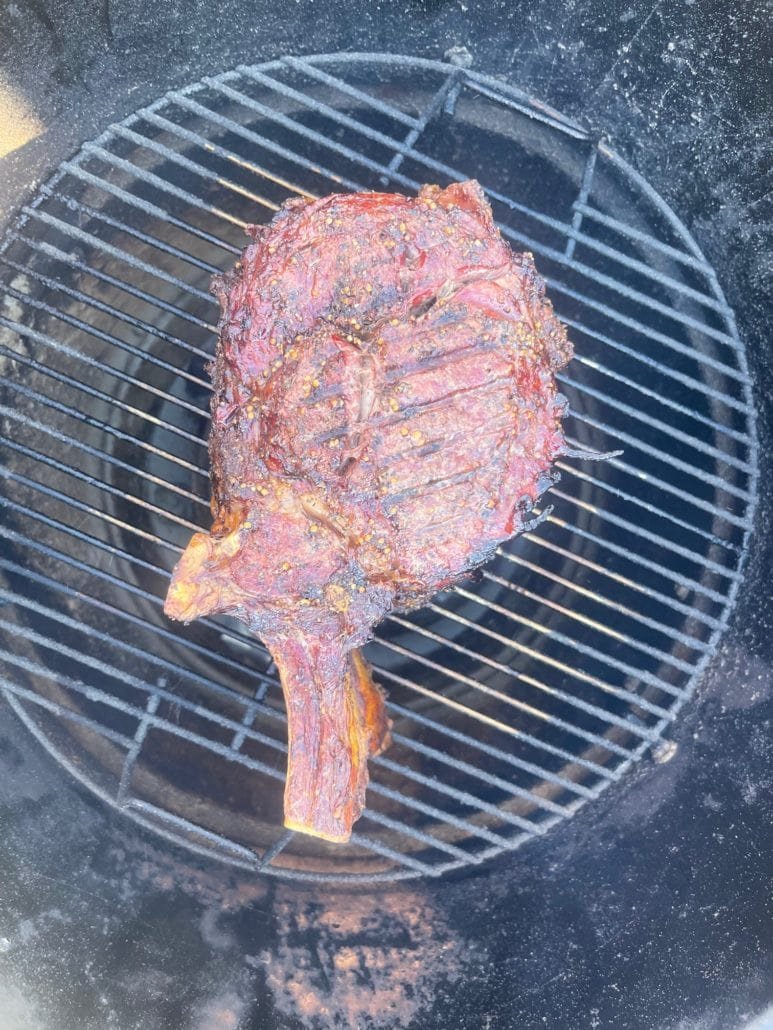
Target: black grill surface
516,697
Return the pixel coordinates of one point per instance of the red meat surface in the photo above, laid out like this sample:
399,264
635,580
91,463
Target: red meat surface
384,415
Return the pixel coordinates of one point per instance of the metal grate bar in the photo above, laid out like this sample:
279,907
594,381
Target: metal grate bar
192,166
357,158
254,705
31,423
693,352
146,206
243,731
158,181
585,188
655,538
646,270
465,798
683,466
675,223
643,358
483,688
131,230
191,827
10,687
439,166
153,720
434,108
50,583
569,699
644,330
634,585
630,294
374,135
696,502
191,136
115,581
553,720
121,255
115,341
275,850
120,316
605,772
247,720
656,307
24,331
371,815
654,480
677,578
74,413
554,120
573,701
664,657
455,763
649,302
585,389
262,141
537,247
448,731
531,107
13,414
97,695
566,785
102,574
638,558
396,856
668,340
572,644
718,428
249,861
602,485
120,284
620,609
697,586
151,707
299,64
573,231
642,237
651,420
88,509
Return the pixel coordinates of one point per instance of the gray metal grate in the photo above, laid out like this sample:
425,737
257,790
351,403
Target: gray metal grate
516,697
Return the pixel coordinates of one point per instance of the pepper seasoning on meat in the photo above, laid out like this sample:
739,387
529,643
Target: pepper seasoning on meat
384,415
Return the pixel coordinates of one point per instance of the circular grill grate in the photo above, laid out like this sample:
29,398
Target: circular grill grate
516,697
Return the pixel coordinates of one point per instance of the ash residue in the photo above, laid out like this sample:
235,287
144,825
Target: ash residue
347,962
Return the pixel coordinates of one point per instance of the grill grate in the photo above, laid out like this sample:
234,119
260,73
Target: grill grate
516,697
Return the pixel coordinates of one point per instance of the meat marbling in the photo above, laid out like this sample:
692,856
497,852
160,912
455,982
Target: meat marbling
384,415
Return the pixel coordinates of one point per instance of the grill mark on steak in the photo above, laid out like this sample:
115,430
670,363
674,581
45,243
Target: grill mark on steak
414,408
394,373
352,323
421,450
434,362
430,484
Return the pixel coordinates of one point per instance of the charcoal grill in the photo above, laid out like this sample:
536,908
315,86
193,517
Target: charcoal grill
517,697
